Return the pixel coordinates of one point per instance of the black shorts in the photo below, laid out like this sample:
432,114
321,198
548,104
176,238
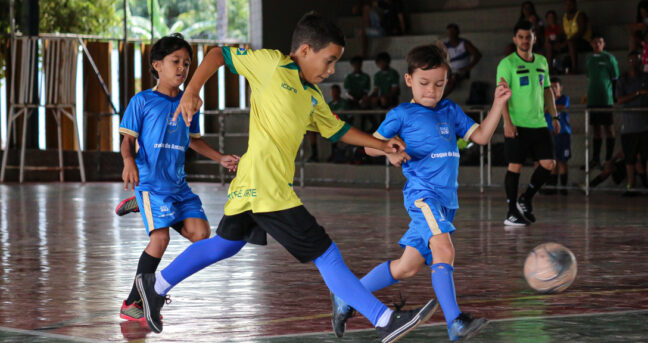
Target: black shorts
529,142
562,147
294,228
633,144
601,118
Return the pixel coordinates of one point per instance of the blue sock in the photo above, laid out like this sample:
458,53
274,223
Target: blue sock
378,278
198,256
443,284
345,285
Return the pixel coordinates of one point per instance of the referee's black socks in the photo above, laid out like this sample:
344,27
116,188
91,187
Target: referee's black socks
609,148
539,177
511,181
147,264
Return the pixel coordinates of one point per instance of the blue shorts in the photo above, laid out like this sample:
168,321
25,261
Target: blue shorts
429,218
163,210
562,146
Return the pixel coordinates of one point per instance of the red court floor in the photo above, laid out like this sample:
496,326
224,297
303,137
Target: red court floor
67,261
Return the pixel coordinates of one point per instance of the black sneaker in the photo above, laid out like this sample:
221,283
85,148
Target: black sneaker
525,209
341,313
402,322
514,218
151,301
464,327
127,206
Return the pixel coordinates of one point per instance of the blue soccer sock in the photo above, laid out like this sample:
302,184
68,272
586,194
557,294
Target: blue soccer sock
443,284
345,285
378,278
198,256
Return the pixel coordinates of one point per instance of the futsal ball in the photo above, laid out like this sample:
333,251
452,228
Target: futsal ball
550,268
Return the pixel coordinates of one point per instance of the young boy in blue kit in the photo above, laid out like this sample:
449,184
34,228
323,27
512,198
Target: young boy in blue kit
285,102
429,126
157,172
562,140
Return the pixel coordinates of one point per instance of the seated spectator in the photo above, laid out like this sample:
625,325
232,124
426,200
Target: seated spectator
357,85
386,83
639,27
554,36
463,56
528,12
577,31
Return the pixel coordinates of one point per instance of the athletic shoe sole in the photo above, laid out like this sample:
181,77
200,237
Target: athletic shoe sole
131,203
145,305
519,208
510,223
421,317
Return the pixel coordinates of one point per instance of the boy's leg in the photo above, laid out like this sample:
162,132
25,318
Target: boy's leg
195,229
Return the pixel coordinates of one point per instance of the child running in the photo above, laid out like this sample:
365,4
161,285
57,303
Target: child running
429,126
284,103
157,173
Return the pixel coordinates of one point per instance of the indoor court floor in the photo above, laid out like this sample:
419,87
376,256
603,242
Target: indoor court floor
67,262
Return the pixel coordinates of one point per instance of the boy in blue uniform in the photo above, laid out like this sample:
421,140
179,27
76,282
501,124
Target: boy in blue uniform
157,173
429,126
284,103
562,140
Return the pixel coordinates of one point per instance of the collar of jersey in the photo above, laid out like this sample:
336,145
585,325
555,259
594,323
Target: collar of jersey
166,96
525,61
294,66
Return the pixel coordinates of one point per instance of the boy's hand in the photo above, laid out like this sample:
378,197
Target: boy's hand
130,175
230,162
190,104
556,127
398,158
394,145
510,131
502,92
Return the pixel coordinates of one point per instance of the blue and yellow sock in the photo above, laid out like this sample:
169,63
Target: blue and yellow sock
443,284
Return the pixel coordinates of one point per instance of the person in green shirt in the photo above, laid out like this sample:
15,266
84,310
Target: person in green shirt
386,83
525,129
602,71
357,84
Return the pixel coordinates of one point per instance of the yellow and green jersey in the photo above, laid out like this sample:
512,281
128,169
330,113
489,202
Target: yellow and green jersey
527,81
282,108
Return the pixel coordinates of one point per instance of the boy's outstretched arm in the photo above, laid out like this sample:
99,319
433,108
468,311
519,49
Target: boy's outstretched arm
190,103
200,146
130,174
359,138
485,130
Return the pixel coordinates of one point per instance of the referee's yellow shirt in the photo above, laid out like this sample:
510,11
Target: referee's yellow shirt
282,108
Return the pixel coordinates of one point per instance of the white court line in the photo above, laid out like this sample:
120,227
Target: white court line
490,321
48,335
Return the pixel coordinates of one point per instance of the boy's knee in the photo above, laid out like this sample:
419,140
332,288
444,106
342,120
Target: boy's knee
548,164
196,234
405,272
442,253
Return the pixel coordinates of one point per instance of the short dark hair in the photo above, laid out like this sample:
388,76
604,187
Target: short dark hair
316,31
166,46
356,59
427,57
551,12
555,80
336,87
597,35
383,56
453,26
523,25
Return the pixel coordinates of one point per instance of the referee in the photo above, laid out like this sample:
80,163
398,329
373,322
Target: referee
525,129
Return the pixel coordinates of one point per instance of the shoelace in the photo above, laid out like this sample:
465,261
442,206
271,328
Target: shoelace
401,303
167,299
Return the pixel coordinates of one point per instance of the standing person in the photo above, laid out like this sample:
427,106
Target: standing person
632,91
577,32
285,102
157,173
562,140
554,36
386,84
357,84
525,128
602,71
463,56
429,126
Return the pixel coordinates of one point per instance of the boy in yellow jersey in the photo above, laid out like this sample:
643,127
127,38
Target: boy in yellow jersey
284,104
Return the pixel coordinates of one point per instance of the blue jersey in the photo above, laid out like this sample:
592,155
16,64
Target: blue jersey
431,138
162,142
563,117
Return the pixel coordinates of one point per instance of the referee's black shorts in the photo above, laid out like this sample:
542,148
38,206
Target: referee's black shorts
529,142
294,228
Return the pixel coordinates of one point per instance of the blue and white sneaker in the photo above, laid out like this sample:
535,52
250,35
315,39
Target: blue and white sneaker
464,327
341,313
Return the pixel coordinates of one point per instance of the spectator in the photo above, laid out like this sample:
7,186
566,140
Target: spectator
632,91
639,27
380,18
577,31
528,12
336,104
463,56
602,71
554,36
357,85
562,140
386,83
